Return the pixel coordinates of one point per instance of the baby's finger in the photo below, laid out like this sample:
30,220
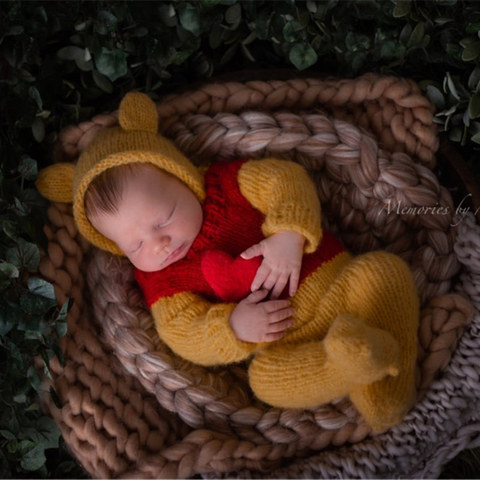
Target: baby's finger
294,280
281,326
276,305
282,280
257,296
262,274
253,251
271,337
281,315
271,280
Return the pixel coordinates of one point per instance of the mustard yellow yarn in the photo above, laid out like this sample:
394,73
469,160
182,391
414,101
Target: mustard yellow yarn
56,182
285,194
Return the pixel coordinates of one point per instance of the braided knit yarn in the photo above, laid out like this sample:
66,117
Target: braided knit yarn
130,408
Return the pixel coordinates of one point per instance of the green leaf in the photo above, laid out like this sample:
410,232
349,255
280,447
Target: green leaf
62,314
85,63
34,378
61,328
247,52
7,434
55,398
311,6
20,208
450,83
34,459
474,106
106,22
20,398
45,433
233,15
402,8
71,53
474,80
167,15
6,322
14,30
27,168
24,255
35,305
476,138
388,49
471,51
417,35
358,61
8,270
111,63
473,27
216,36
38,129
189,19
290,31
35,95
229,54
39,286
178,58
210,3
80,27
302,56
102,82
262,24
436,97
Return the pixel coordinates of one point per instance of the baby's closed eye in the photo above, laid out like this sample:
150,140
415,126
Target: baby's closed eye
164,223
135,248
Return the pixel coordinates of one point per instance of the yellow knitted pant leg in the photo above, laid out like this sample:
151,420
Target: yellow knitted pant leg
309,374
368,352
381,291
296,376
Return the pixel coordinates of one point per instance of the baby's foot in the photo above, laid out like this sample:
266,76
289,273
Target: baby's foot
362,353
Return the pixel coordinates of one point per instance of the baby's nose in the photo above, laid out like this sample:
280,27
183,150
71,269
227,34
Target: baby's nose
161,244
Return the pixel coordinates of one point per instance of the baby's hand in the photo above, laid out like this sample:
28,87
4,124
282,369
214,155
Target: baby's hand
282,260
255,321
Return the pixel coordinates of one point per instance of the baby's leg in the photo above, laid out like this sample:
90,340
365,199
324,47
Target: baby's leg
380,290
364,354
310,374
296,376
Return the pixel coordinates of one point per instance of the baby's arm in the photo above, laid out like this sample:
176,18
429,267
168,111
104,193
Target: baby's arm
199,330
285,194
255,319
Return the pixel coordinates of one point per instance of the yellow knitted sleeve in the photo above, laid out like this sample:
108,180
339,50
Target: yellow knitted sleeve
285,194
198,330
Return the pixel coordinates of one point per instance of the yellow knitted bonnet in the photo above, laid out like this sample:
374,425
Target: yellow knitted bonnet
135,140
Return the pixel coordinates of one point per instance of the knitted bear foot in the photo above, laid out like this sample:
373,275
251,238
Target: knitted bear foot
362,353
385,403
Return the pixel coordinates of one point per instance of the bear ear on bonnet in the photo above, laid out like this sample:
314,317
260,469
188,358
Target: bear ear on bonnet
138,112
56,182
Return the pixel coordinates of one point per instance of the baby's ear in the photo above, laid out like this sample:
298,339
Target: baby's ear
56,182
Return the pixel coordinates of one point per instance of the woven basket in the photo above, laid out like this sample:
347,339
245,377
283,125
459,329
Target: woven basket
131,408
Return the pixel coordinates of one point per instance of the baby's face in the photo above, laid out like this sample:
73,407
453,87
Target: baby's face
157,221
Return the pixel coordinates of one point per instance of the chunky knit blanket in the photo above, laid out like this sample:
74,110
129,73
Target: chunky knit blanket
129,407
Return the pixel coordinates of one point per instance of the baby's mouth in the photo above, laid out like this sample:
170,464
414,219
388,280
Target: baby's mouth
175,255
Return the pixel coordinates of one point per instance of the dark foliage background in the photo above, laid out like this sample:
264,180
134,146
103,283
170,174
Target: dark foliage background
61,62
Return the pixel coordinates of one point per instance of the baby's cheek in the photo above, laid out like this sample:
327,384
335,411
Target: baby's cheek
139,261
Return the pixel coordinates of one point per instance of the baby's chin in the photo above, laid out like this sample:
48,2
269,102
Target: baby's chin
177,255
153,267
150,267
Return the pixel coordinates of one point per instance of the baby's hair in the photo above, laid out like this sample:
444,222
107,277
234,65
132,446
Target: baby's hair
105,191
